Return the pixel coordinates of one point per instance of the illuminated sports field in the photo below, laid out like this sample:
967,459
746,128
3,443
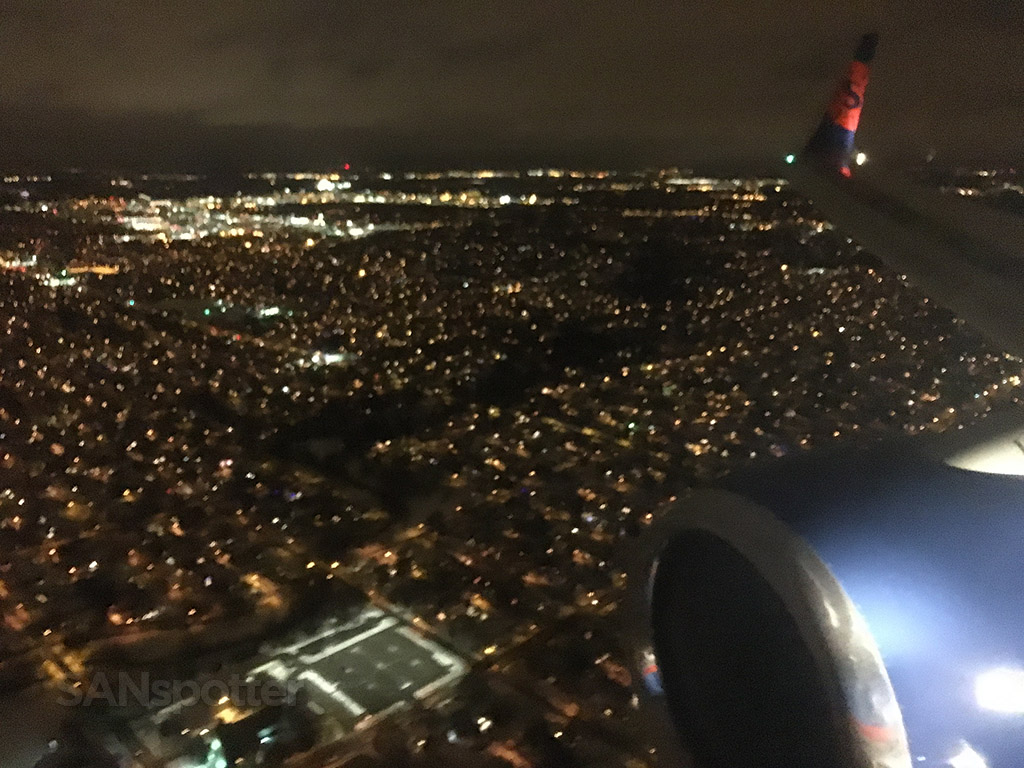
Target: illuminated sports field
363,668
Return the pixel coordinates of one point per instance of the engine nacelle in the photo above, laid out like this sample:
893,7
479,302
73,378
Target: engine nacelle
754,650
852,607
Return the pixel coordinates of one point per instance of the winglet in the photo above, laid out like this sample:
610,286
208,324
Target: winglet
832,143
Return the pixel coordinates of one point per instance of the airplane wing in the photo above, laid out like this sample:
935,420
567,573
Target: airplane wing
857,607
967,257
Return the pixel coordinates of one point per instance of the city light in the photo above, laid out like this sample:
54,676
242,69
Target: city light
155,349
355,464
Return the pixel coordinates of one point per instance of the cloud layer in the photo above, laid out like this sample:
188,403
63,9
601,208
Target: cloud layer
200,85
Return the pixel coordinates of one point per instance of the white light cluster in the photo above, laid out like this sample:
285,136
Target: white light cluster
1001,690
967,757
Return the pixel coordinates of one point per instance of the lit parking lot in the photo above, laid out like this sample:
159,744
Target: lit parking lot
362,668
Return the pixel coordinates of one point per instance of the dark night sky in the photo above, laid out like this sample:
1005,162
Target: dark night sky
228,84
